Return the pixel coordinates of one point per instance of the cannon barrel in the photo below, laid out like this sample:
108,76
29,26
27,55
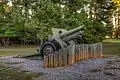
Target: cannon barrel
73,36
71,33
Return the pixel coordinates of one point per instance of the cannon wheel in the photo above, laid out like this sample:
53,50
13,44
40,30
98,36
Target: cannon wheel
49,47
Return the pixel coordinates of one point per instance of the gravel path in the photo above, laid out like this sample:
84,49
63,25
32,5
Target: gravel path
93,69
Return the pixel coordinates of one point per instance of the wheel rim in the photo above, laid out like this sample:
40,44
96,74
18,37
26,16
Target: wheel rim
48,50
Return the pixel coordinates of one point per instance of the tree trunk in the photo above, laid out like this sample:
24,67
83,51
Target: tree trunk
4,42
7,41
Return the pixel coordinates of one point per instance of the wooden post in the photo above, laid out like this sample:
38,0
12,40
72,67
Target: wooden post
52,62
79,53
56,59
76,53
73,54
87,51
101,55
64,59
98,53
60,58
91,51
94,47
49,59
96,50
45,62
69,56
65,56
82,52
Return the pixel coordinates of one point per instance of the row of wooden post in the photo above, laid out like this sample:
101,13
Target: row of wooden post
70,55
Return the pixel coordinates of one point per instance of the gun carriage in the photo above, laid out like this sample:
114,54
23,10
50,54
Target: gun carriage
61,38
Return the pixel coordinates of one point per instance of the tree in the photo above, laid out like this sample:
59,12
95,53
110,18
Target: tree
99,23
46,14
6,29
36,18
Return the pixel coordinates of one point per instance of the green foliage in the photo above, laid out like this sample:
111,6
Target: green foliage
8,31
33,19
1,8
100,25
94,31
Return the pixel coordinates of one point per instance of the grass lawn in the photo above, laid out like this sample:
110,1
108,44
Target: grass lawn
112,40
111,47
7,73
17,51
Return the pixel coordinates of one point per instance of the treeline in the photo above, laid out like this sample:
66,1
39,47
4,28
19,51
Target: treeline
30,21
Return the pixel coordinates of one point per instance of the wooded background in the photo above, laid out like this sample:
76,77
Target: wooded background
29,21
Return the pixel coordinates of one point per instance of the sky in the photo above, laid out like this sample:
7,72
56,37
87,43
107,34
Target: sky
10,2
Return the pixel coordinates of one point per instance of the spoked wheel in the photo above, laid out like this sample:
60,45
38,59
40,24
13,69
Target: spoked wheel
49,48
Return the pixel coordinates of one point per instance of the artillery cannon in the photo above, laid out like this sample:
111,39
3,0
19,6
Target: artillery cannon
61,38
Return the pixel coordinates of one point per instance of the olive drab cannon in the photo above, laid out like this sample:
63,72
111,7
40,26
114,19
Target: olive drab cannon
61,38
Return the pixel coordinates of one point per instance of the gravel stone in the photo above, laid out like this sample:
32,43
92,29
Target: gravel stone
77,71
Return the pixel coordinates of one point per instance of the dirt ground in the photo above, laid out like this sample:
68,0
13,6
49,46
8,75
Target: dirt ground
92,69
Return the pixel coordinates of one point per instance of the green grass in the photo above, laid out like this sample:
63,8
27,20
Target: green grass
112,40
7,73
111,47
17,51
